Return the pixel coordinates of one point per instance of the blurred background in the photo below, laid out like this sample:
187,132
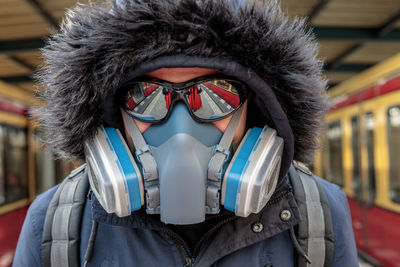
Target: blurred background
360,146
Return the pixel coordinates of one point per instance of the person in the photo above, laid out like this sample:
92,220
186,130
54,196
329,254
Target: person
192,116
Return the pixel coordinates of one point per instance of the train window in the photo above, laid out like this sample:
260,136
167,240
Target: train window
44,166
16,182
333,153
394,151
369,127
2,164
356,151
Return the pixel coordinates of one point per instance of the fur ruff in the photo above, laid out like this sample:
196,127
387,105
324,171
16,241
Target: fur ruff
94,48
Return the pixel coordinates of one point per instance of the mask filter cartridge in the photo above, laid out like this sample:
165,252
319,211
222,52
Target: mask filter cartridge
113,174
252,175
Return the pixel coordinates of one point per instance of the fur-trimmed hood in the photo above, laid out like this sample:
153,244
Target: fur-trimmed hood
96,49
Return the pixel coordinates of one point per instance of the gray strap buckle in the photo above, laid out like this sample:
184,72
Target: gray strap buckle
142,150
212,197
222,150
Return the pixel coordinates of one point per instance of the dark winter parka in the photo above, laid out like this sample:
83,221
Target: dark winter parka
142,240
98,49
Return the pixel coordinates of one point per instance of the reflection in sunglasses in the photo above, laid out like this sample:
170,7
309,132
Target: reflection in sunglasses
225,92
206,100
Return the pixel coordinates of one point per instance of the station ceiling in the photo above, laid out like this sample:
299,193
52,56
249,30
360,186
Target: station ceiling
353,34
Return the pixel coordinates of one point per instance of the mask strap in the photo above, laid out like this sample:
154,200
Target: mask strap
137,143
217,161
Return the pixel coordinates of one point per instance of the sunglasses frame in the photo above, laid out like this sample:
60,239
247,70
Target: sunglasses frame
179,92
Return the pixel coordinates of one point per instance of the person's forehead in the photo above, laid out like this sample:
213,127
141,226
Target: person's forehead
177,75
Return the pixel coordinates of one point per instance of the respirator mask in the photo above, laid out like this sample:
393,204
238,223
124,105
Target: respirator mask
183,167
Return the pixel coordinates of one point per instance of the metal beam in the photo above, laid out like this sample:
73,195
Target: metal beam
43,13
17,79
350,67
389,25
21,45
317,9
354,34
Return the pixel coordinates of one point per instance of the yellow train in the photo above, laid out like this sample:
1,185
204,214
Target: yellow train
360,151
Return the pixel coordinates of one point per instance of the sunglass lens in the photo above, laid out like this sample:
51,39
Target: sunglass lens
213,99
147,101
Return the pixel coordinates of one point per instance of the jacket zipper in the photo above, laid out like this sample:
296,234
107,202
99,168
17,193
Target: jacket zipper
188,258
180,244
196,249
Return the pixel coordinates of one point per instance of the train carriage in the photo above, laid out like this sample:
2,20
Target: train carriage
27,167
361,151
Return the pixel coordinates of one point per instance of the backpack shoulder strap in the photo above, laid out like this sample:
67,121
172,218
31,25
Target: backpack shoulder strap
314,232
62,224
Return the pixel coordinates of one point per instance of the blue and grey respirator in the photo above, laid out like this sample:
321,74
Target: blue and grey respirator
183,169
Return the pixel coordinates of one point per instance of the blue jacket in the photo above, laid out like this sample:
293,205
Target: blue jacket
142,240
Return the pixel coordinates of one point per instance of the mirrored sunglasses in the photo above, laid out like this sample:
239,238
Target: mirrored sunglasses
207,98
